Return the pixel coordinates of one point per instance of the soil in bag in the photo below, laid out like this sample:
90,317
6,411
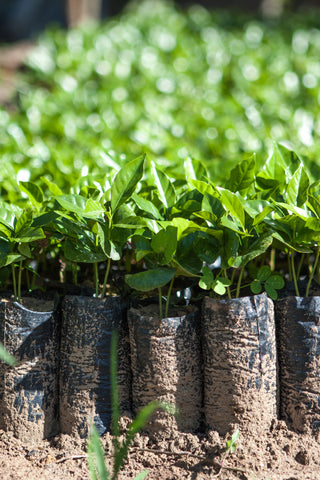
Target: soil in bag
166,366
240,364
85,384
29,391
298,335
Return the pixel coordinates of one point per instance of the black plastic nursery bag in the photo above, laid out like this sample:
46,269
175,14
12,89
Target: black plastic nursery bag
240,363
29,391
298,331
166,366
85,385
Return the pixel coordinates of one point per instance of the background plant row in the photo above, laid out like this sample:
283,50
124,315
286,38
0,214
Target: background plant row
168,82
156,228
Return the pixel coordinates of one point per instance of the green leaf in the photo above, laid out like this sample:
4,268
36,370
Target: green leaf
202,187
165,244
194,169
142,246
96,460
297,189
150,279
6,357
24,249
275,281
164,186
125,182
233,206
73,203
264,273
220,284
30,235
33,191
83,250
54,189
255,249
207,278
271,291
8,214
147,206
141,475
256,286
187,254
213,205
242,176
9,259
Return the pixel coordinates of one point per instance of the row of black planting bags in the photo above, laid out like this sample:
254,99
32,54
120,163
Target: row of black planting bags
246,361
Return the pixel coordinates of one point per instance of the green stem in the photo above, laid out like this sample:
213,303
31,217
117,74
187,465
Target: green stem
239,282
19,281
300,265
294,276
160,302
14,283
96,278
168,297
290,267
105,280
313,271
75,273
273,259
35,272
228,288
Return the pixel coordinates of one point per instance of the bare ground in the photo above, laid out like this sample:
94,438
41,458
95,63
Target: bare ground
278,455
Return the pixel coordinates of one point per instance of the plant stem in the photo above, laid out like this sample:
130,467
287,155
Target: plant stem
300,265
228,288
294,274
160,302
19,281
313,271
168,297
239,282
273,259
290,267
105,280
14,281
96,278
35,272
75,273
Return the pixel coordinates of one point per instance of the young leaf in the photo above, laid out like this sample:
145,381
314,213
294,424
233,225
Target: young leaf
164,186
141,475
207,278
271,291
147,206
233,206
83,250
33,191
125,182
96,461
275,281
6,357
220,285
165,244
195,169
242,176
264,273
256,286
150,279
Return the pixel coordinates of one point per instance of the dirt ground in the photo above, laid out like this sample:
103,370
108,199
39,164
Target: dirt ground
279,455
